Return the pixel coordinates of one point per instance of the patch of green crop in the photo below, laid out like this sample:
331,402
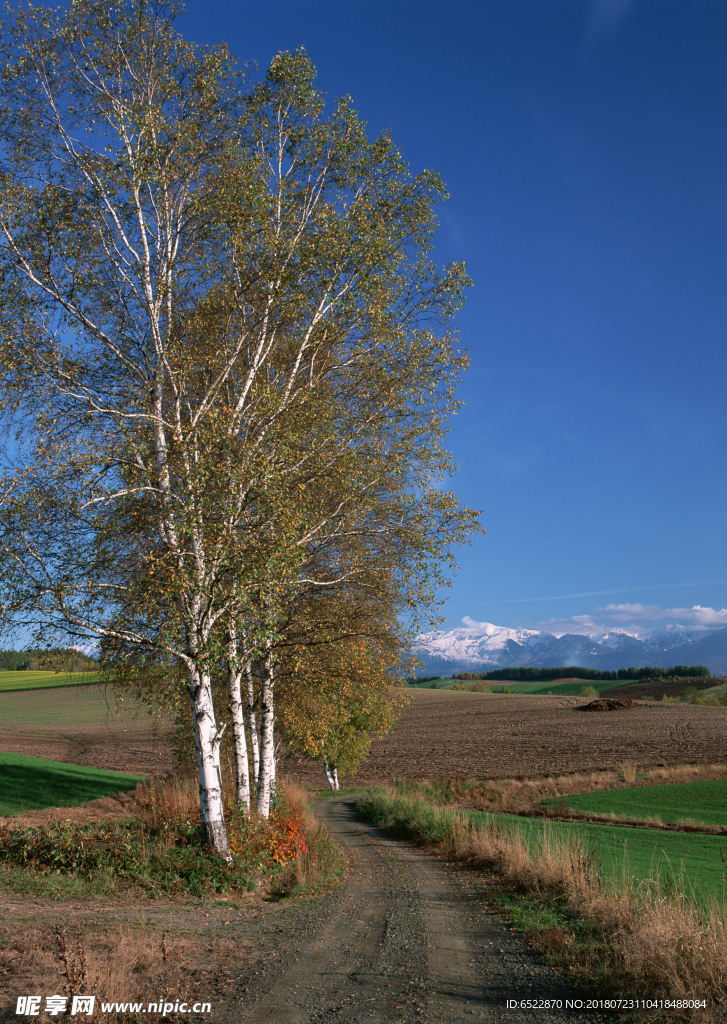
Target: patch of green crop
33,783
539,686
18,681
702,802
573,689
67,706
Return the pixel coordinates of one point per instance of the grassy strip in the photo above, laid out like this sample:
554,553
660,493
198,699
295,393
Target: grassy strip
573,689
34,783
528,795
699,802
323,865
537,687
637,936
16,681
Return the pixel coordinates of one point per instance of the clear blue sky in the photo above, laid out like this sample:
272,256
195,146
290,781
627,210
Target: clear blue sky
583,143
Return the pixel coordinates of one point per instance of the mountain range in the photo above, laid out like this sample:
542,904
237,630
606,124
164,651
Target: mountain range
489,647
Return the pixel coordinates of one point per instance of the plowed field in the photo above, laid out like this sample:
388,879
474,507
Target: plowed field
441,732
489,736
80,725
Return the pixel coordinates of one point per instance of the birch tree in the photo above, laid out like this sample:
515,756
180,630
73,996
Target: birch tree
215,297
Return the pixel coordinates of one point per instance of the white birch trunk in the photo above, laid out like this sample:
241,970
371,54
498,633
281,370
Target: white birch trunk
331,775
266,783
252,723
242,768
207,739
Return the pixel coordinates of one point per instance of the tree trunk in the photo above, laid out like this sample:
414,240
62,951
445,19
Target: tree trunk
331,775
207,739
252,723
242,768
266,783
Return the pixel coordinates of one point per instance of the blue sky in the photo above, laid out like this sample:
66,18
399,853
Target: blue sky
583,143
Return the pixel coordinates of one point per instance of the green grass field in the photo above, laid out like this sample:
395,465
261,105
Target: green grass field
32,784
31,710
703,802
44,680
692,862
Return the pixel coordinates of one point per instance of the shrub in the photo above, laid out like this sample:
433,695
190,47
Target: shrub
162,852
589,691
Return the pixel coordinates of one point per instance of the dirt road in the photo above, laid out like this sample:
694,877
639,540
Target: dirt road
406,939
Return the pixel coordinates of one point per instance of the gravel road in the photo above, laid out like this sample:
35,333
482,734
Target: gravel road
407,938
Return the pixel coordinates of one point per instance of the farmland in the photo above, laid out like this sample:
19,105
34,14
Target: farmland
492,736
441,733
11,681
82,725
703,802
690,862
656,689
551,687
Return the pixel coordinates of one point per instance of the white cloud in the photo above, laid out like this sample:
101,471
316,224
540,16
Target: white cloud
479,627
697,615
634,619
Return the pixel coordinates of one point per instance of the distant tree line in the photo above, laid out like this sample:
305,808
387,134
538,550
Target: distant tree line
55,659
529,674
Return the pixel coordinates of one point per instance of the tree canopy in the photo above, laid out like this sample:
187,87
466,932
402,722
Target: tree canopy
225,351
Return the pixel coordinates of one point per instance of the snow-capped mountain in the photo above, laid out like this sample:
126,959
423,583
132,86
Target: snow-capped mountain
89,650
488,647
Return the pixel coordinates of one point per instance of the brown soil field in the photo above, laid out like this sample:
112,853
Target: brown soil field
143,750
491,736
440,733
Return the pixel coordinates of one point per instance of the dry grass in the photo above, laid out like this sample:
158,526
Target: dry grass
323,864
661,942
125,964
480,686
171,799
